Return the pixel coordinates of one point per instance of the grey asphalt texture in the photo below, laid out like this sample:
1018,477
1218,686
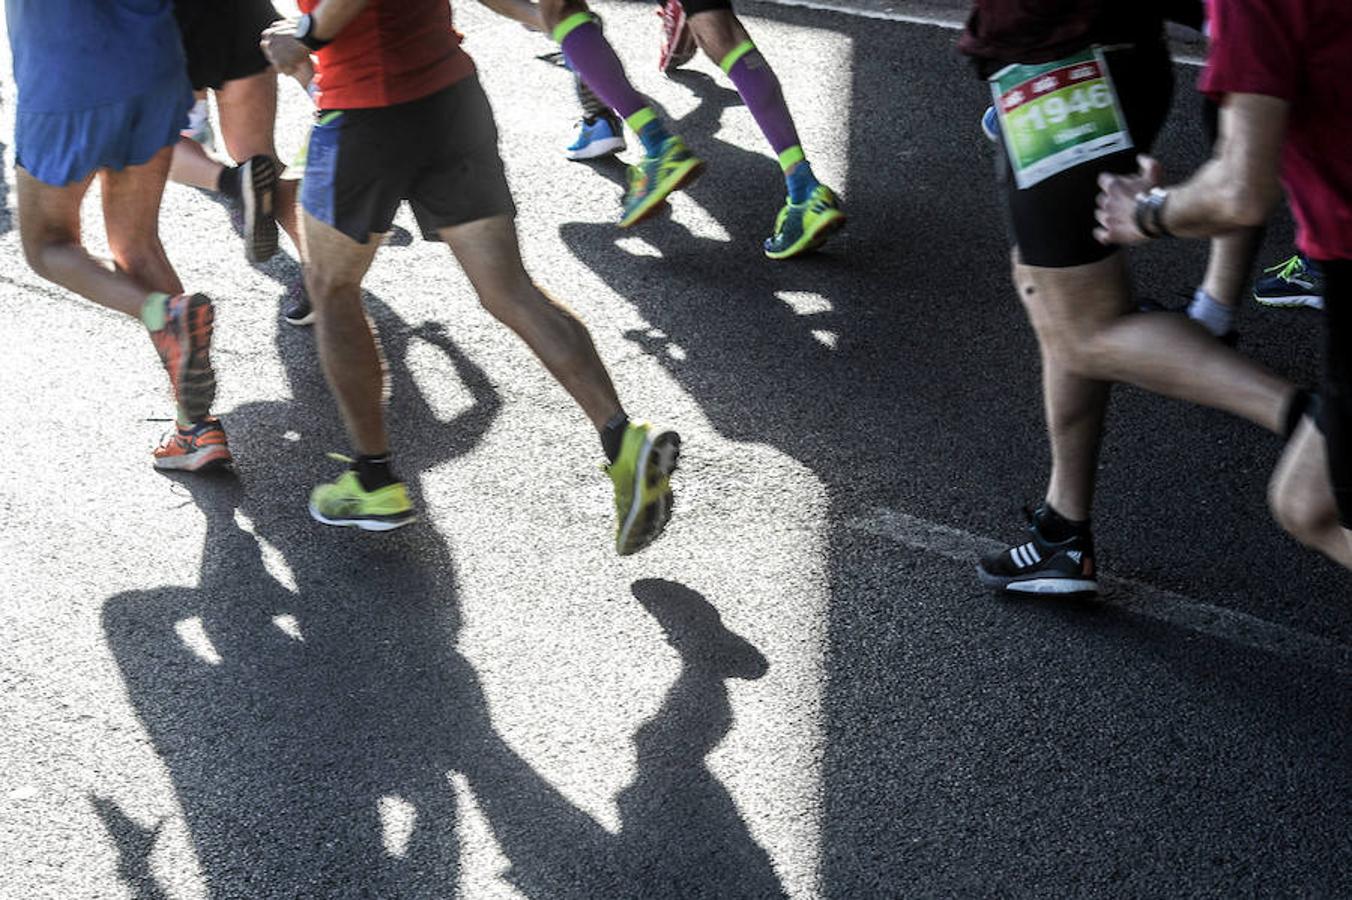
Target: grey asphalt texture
205,694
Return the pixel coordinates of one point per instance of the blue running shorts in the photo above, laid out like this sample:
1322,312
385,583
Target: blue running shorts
65,147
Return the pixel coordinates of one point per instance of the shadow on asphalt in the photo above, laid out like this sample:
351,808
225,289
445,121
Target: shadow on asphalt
977,748
309,685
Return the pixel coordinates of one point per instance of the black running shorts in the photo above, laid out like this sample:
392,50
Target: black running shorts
1052,222
220,38
698,6
440,153
1335,417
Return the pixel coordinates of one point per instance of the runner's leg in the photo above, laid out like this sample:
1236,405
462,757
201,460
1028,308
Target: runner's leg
131,214
248,111
1301,499
335,266
487,250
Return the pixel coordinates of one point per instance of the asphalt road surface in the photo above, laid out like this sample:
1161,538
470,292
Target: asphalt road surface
801,691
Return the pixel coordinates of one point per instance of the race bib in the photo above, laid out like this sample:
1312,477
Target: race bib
1057,115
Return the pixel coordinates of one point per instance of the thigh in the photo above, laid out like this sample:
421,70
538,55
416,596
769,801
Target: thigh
48,213
248,110
487,250
131,199
461,178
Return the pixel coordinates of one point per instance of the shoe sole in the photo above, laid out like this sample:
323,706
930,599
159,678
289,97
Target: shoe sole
302,321
365,524
685,176
1311,301
259,225
811,241
657,459
217,457
597,149
196,382
1038,586
683,47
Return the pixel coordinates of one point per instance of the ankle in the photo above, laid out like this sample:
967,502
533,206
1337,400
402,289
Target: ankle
374,471
1055,528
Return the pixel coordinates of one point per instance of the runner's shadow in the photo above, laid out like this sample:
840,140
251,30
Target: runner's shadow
6,214
681,835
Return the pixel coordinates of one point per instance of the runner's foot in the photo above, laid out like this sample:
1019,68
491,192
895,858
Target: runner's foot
801,227
1294,283
641,475
597,137
656,177
296,308
678,44
258,186
346,502
184,346
201,445
1041,566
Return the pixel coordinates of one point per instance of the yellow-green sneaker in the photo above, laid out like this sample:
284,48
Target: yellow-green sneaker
345,502
655,177
642,478
801,227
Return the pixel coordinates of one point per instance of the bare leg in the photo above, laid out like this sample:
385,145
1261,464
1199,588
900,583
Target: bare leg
131,213
49,226
1228,266
718,32
1081,314
195,167
488,252
352,362
1302,500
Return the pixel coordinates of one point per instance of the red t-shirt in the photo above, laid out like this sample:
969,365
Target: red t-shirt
394,51
1299,51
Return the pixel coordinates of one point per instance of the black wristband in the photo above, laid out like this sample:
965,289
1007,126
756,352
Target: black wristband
305,33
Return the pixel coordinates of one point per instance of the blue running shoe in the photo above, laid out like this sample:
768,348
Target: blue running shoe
990,125
1296,282
601,136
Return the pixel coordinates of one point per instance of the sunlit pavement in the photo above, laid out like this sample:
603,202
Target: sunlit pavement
801,690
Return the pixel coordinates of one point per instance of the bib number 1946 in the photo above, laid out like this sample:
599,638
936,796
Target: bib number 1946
1057,115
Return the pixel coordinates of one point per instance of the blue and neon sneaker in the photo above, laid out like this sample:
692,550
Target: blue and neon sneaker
655,177
1296,282
990,125
801,227
596,137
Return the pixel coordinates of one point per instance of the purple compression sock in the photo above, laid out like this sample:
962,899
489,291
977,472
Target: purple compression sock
756,82
591,56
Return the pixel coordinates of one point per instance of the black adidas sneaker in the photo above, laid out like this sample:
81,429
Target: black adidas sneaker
1041,566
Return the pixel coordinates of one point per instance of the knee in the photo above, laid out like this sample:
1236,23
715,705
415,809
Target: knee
510,299
718,32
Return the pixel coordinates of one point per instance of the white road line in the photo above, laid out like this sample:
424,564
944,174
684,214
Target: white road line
1136,596
935,20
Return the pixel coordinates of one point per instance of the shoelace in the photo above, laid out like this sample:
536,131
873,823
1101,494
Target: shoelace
1286,269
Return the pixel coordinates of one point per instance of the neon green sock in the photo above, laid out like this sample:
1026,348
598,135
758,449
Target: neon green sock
155,311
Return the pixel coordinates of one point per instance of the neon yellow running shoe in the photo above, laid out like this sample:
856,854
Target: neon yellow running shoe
805,226
642,478
345,502
655,177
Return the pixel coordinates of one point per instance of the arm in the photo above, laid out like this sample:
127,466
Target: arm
288,55
1237,188
523,11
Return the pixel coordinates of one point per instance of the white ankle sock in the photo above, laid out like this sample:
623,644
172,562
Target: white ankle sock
1213,315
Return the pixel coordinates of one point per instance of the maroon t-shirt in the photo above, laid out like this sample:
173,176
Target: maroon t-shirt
394,51
1038,31
1299,51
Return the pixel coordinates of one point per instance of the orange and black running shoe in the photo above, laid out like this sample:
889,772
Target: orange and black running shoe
201,445
184,345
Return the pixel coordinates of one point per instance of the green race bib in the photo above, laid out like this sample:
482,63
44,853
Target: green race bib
1057,115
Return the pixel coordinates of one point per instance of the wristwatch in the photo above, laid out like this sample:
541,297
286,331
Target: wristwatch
305,27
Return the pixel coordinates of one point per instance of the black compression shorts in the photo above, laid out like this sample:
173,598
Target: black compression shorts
440,153
1336,393
1052,222
220,38
692,7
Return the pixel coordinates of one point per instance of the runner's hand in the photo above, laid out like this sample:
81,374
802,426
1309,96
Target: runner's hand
287,55
1117,202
